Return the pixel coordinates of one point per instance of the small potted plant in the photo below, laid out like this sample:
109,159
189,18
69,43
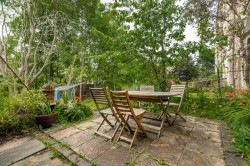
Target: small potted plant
44,116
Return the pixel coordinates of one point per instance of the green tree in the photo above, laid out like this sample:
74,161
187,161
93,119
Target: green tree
157,33
223,25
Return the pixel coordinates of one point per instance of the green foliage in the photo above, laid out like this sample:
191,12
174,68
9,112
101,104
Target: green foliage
17,113
43,108
241,135
157,35
90,103
25,103
75,111
233,108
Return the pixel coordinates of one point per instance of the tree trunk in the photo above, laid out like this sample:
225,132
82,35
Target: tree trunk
218,80
163,83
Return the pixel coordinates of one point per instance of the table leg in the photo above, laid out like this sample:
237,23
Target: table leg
164,115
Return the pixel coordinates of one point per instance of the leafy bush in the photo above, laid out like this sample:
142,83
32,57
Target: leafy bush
75,111
17,114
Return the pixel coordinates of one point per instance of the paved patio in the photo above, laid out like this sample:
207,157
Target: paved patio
195,142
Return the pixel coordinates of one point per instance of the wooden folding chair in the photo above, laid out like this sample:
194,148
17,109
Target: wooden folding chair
101,98
176,106
125,111
148,88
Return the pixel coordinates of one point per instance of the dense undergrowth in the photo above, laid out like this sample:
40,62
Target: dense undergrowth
17,113
232,107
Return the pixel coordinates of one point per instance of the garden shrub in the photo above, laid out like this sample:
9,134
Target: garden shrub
233,108
72,111
17,113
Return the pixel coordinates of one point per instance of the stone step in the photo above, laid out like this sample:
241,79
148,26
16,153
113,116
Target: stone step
20,152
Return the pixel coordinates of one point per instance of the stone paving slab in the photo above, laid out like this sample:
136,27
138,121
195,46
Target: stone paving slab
203,134
20,152
194,142
188,123
179,130
168,153
41,159
208,148
115,156
13,143
77,139
191,158
97,120
145,160
94,147
65,133
87,125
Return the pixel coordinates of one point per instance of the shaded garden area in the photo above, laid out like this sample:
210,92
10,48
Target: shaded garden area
121,46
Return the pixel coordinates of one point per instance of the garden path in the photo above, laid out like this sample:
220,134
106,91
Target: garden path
195,142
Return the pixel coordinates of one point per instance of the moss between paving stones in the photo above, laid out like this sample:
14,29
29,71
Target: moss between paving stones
62,150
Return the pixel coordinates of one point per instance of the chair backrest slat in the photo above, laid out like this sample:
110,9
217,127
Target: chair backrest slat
121,102
178,88
148,88
100,97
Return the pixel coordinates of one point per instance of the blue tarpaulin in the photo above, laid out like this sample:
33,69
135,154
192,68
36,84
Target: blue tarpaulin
68,89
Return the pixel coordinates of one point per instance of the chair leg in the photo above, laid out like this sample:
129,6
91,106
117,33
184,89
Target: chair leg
159,133
102,134
175,117
134,136
140,126
181,117
128,128
162,123
123,127
160,116
101,123
105,118
177,114
116,130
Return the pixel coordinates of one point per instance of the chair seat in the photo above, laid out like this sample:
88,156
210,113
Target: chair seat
138,112
106,111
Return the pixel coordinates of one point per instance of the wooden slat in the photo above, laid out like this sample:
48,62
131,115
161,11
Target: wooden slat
151,126
101,99
98,92
99,95
96,97
178,88
126,139
119,101
101,102
122,110
119,98
178,85
121,105
147,88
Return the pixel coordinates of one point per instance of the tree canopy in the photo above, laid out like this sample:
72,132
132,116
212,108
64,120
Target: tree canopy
119,45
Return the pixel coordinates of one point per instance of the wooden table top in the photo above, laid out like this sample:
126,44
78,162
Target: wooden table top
152,94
